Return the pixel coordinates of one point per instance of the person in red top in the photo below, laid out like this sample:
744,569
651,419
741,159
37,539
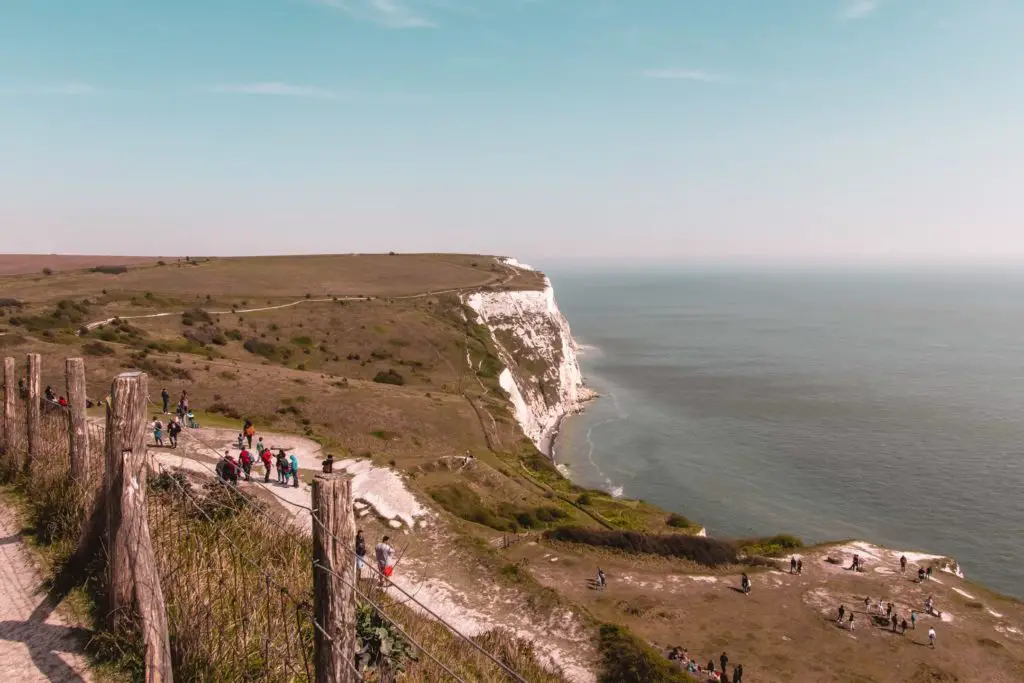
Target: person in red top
246,461
268,462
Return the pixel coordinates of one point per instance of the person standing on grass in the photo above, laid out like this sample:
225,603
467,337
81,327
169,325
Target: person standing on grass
250,431
158,432
842,613
383,552
293,462
268,461
931,637
851,622
245,458
166,398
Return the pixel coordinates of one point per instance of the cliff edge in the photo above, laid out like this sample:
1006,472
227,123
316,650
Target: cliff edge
542,374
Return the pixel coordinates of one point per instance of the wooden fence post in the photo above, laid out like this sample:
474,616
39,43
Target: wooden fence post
334,578
10,394
74,376
35,363
132,565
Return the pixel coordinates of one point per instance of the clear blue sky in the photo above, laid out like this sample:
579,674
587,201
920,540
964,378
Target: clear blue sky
679,130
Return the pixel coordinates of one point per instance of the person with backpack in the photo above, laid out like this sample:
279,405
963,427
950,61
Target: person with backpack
173,429
249,431
158,432
245,458
282,468
293,462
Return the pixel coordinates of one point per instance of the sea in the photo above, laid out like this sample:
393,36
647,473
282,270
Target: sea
880,405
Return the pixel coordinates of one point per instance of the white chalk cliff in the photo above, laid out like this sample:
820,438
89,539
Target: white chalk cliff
533,340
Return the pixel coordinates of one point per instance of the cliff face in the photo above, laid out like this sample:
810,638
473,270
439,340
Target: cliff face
534,342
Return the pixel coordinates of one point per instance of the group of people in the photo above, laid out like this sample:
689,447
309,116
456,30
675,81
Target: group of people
681,658
287,466
181,410
173,430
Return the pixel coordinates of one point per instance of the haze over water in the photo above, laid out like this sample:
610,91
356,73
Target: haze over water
878,405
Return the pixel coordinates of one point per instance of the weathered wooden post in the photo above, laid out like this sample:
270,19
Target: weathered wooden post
10,389
334,578
132,566
74,376
35,367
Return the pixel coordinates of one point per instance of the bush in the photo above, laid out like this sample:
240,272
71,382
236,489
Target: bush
221,408
47,271
194,316
677,521
97,348
109,270
261,348
770,546
710,552
389,377
7,302
584,499
627,659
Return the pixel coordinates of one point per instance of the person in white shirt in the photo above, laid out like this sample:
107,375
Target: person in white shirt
931,637
383,551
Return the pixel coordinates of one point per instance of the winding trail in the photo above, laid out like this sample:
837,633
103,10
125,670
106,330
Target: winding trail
35,643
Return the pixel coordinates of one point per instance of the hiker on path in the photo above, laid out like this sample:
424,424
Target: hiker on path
929,573
737,674
903,627
293,462
360,553
173,429
903,564
166,398
250,431
383,552
227,469
895,623
282,467
601,581
881,607
800,566
259,445
929,604
888,610
745,584
240,441
867,603
913,619
851,621
792,565
842,613
723,660
158,432
920,574
855,565
268,462
245,458
931,637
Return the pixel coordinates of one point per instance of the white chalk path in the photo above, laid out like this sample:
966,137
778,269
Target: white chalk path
473,612
36,645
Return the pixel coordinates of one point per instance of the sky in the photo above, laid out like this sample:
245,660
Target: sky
690,131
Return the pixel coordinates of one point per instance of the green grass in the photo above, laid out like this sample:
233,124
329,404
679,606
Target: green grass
627,659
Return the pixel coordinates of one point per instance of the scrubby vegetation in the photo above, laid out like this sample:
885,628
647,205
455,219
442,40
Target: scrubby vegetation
195,316
262,348
97,348
677,521
710,552
770,546
65,316
390,376
463,502
627,659
109,270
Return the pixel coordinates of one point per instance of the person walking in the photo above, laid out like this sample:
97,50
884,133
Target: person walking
903,564
293,462
888,610
250,431
903,627
723,660
851,621
929,573
245,458
745,584
158,432
360,553
913,619
895,623
268,462
383,553
792,565
173,429
800,566
920,574
601,580
166,398
259,445
842,613
737,674
931,637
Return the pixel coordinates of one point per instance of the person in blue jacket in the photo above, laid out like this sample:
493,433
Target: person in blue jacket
294,461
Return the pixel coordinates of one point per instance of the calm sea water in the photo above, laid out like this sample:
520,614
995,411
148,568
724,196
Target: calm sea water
875,405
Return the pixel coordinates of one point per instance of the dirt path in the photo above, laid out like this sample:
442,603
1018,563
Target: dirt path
35,643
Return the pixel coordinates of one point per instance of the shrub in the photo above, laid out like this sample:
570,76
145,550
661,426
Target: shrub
194,316
7,302
97,348
772,545
235,335
677,521
627,659
710,552
221,408
109,270
380,354
261,348
161,263
47,271
389,377
584,499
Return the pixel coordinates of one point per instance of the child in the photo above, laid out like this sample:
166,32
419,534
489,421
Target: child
241,441
158,432
192,421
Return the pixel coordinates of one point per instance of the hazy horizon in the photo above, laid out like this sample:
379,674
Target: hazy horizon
809,131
